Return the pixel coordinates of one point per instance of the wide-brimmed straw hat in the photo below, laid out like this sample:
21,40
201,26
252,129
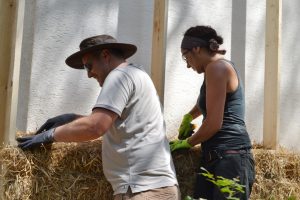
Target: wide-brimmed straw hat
97,43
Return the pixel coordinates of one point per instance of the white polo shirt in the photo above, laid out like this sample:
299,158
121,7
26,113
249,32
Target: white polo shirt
135,151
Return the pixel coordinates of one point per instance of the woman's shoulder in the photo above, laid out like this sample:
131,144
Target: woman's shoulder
220,67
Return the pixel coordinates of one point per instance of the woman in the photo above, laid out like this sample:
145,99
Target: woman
223,136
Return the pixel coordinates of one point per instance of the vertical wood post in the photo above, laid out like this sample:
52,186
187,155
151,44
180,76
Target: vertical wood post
159,46
7,9
272,73
11,33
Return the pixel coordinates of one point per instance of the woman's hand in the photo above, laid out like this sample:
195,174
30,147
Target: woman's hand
186,128
179,144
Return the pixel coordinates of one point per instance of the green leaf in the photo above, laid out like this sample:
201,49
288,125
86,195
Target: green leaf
233,198
226,190
226,186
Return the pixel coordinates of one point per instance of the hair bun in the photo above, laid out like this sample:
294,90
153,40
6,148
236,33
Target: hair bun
213,45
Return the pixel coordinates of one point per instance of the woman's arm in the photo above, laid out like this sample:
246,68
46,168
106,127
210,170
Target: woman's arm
216,86
195,112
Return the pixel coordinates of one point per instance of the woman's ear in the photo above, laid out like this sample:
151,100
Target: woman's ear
197,49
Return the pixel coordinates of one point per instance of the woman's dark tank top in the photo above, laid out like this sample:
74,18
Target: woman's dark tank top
233,134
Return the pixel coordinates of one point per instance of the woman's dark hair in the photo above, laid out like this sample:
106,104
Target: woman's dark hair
207,34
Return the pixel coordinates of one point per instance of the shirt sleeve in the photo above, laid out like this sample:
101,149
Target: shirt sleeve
116,92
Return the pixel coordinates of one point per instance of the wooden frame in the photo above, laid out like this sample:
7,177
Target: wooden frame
11,33
159,46
272,73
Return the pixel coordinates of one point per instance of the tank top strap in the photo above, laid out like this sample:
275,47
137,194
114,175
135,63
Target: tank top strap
236,72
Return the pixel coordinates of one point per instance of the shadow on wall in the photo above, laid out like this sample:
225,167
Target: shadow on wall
26,63
238,36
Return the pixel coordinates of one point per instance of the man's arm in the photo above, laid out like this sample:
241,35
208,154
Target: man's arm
86,128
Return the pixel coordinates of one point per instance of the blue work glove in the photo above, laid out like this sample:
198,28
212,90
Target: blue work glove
30,142
179,144
57,121
186,129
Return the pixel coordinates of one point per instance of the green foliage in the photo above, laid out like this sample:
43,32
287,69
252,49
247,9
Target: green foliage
227,186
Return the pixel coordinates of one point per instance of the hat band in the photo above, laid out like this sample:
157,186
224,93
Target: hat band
92,43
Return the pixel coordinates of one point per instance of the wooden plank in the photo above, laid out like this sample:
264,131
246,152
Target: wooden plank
11,31
14,73
7,10
272,73
159,46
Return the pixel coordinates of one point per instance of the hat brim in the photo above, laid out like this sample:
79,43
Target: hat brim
75,60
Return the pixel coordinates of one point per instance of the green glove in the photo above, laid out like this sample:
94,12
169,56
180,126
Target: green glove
188,198
179,144
186,128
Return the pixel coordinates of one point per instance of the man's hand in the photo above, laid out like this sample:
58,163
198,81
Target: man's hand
186,128
33,141
57,121
179,144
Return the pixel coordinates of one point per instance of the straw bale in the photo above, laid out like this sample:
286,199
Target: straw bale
59,171
277,174
74,171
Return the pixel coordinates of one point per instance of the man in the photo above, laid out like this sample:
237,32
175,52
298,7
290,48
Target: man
135,151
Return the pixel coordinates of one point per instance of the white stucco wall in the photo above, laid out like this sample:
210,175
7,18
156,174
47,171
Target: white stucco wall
53,30
290,73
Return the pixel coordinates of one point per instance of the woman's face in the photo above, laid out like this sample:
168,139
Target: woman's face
194,59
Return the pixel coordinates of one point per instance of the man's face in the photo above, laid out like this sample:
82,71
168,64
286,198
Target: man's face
97,65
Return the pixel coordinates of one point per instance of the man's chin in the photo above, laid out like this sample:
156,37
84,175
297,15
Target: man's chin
100,84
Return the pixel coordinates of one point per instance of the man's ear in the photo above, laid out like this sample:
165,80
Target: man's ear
106,54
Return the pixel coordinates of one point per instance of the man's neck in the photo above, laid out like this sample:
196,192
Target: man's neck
119,63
